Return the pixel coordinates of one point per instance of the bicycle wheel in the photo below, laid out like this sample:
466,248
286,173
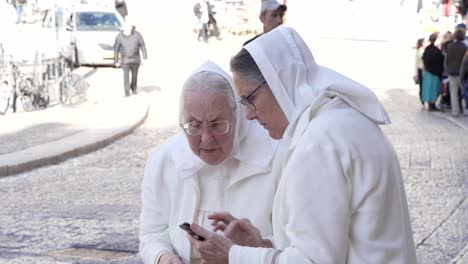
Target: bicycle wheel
5,95
26,95
73,89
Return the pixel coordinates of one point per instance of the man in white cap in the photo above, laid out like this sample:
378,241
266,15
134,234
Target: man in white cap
271,15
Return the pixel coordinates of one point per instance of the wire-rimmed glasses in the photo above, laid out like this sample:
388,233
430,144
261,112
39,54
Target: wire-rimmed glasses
246,100
195,128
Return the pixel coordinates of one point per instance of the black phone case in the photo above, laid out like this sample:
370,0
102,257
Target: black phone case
186,226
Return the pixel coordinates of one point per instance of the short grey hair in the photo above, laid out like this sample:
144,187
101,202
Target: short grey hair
206,82
245,66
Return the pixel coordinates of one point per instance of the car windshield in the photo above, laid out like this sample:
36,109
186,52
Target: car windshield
97,21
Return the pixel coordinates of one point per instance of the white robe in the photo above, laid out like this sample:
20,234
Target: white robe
341,197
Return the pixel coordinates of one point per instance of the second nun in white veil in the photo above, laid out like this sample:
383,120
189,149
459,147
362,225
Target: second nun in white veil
341,197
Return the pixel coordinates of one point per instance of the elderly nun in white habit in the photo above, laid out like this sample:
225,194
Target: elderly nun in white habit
341,197
219,162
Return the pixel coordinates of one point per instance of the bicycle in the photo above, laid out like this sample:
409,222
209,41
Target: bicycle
73,88
19,85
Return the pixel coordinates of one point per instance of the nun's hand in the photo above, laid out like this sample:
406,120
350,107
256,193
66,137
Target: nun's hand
214,249
243,233
221,220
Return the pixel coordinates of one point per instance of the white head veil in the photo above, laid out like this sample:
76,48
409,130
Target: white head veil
251,143
298,82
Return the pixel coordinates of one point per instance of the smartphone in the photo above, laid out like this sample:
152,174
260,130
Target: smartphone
186,226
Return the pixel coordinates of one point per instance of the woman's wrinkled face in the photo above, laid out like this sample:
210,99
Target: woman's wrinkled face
203,109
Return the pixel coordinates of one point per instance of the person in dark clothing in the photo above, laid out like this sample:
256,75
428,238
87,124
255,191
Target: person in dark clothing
454,58
433,69
205,14
212,23
447,40
121,7
419,66
271,16
129,43
464,82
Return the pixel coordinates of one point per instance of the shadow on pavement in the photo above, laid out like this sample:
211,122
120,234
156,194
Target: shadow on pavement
150,88
90,73
29,136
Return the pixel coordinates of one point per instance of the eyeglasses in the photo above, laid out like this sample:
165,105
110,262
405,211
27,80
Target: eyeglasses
246,100
217,127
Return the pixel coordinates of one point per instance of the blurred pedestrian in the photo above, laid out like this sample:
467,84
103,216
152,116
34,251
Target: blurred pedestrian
271,16
121,7
204,11
454,58
433,68
419,66
128,44
20,4
447,40
464,82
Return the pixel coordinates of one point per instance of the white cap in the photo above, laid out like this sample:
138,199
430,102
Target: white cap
270,5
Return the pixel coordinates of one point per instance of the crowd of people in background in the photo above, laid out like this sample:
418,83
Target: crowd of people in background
442,71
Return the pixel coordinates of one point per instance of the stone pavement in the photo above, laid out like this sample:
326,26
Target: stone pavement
86,209
433,153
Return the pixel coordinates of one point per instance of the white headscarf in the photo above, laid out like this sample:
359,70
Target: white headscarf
251,142
298,82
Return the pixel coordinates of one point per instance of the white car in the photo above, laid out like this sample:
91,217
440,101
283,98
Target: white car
93,31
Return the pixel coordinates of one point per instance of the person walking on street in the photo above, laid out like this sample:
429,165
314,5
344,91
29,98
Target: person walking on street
204,12
433,69
271,16
455,53
464,82
447,40
20,10
129,43
121,7
419,66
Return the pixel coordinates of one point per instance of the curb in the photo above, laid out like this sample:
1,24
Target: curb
58,151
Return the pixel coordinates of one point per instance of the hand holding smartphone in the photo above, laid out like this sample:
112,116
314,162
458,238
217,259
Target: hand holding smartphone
186,226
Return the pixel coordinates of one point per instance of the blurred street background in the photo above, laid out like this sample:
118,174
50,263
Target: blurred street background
82,205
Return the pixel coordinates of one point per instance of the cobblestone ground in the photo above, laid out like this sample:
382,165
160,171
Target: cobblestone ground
433,155
93,202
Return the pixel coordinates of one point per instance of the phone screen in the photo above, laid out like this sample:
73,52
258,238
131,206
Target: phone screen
186,226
